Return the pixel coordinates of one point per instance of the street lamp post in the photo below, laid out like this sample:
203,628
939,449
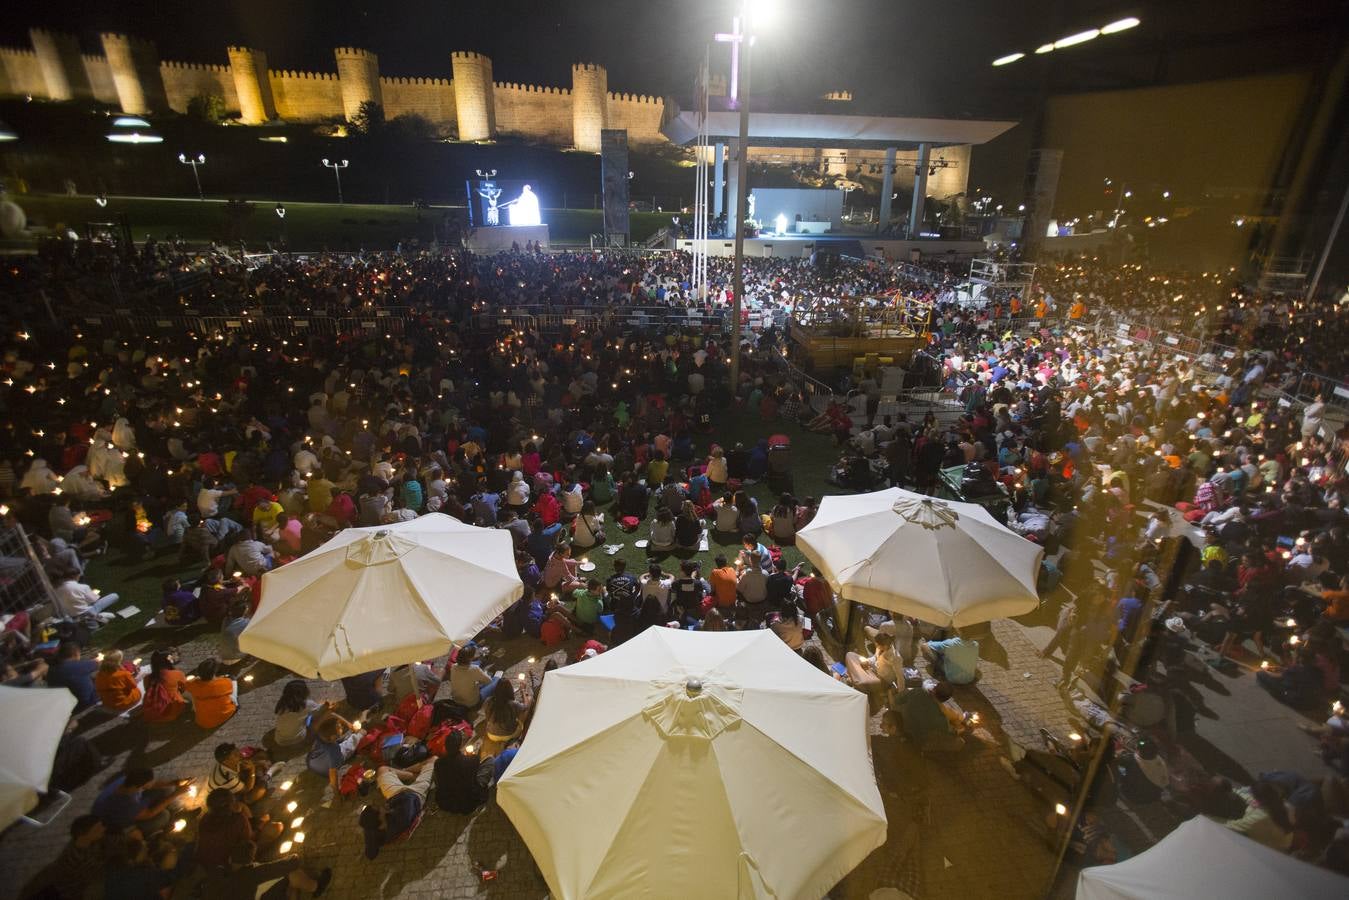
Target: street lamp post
337,166
740,96
194,161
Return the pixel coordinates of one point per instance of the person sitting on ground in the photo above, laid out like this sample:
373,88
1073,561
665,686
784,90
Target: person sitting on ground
662,536
335,741
750,547
237,775
413,678
74,598
135,869
118,689
136,799
561,573
725,583
726,518
462,780
786,624
688,527
469,684
877,673
215,696
283,879
503,719
83,860
236,620
587,529
179,605
166,696
919,715
217,593
955,659
74,674
752,585
297,715
365,692
250,556
655,583
687,593
1265,819
589,603
401,806
224,825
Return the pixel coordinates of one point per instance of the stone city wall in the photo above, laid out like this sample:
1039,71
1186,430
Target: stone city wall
474,107
540,113
183,81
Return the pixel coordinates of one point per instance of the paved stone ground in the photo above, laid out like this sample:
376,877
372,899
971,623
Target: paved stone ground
945,813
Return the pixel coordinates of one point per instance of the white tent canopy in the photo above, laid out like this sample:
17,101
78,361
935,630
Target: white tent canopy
36,720
947,563
685,760
376,597
1204,859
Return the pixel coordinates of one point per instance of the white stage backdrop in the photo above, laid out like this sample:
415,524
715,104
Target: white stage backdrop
812,204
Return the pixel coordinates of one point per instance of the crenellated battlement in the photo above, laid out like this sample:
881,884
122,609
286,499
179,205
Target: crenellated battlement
469,54
354,53
418,82
532,88
301,76
193,67
588,67
635,98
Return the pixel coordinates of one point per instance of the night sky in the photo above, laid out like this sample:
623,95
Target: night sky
897,56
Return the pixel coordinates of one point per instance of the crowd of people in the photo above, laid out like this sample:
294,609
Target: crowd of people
234,453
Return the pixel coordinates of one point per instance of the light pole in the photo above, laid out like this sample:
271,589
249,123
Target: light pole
194,161
337,166
739,39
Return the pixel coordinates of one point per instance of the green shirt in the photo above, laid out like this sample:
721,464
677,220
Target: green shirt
589,607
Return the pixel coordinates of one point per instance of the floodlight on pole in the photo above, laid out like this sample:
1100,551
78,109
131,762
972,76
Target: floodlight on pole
1081,37
194,161
337,167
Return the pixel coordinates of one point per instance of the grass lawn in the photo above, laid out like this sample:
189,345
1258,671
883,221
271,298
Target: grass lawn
139,583
307,226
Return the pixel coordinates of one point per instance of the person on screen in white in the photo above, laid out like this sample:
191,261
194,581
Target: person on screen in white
525,208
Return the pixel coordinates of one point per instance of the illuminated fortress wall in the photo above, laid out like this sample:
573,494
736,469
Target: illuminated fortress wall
126,73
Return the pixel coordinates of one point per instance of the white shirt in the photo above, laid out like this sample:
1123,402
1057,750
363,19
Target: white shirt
208,502
75,599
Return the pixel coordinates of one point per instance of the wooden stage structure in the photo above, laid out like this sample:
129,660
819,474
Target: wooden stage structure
865,332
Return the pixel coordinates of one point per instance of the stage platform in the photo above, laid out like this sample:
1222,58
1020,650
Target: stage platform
797,246
493,238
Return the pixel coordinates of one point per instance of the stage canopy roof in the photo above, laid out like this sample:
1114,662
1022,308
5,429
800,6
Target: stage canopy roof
778,129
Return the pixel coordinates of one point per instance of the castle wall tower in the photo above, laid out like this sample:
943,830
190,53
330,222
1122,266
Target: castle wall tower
474,96
589,105
358,72
249,70
135,73
58,56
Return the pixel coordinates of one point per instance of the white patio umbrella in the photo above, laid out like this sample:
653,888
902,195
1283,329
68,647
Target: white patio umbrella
37,720
695,764
947,563
376,597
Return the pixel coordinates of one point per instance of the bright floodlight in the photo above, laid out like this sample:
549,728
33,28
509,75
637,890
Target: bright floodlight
1044,48
135,137
1121,25
762,12
7,133
1073,39
130,122
1009,58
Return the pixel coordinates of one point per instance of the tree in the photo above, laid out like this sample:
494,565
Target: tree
412,128
369,119
209,108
